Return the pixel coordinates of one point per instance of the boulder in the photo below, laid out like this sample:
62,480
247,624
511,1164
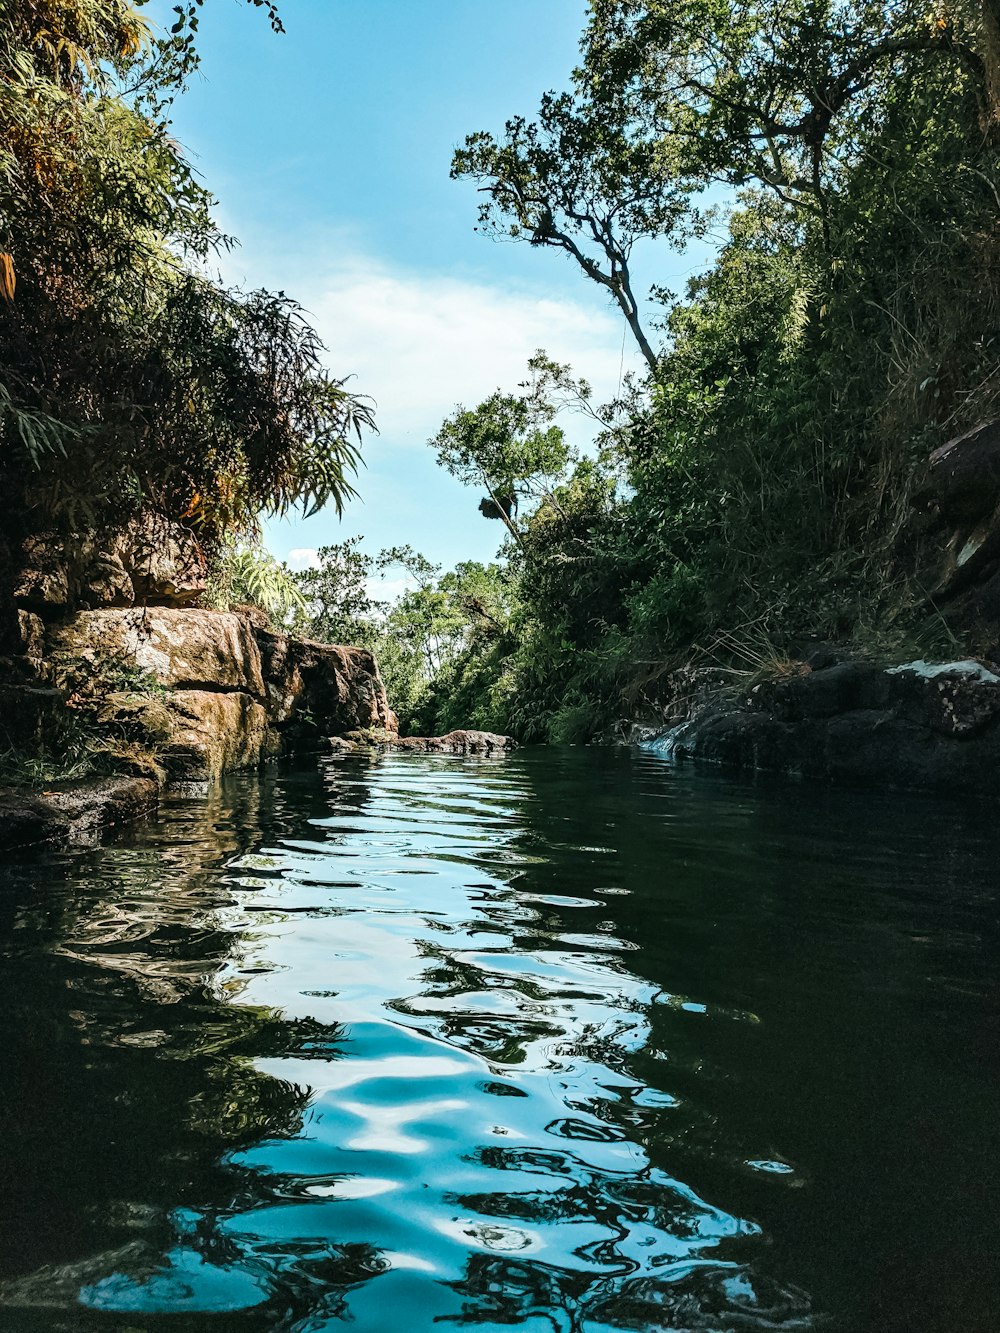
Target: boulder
151,560
934,726
164,561
963,495
455,742
180,649
964,478
106,582
318,689
43,581
214,733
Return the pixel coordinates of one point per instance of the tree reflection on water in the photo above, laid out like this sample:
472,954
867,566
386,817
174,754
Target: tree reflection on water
128,1079
544,1044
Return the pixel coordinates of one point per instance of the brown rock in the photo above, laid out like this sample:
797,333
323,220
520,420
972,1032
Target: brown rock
320,689
106,582
164,561
31,632
151,560
186,649
214,733
43,579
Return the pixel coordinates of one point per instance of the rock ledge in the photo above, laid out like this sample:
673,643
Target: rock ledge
921,725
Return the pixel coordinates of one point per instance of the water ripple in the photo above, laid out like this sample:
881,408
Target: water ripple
474,1138
426,1052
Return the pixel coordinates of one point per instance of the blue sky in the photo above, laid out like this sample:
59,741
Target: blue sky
328,149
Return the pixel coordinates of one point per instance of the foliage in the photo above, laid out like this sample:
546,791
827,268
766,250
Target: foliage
421,638
757,493
128,376
587,184
336,605
247,574
508,445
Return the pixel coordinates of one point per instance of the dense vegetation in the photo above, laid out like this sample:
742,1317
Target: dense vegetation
129,376
757,490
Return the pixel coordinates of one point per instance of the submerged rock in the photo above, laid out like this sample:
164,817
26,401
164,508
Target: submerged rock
455,742
74,812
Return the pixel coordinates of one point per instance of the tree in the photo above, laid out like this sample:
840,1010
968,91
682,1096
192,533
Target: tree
591,186
510,445
128,377
673,98
774,94
337,603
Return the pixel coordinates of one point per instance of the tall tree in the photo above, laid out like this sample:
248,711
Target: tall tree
590,186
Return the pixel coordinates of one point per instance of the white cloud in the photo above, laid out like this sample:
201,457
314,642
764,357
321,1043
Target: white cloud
419,342
304,557
387,590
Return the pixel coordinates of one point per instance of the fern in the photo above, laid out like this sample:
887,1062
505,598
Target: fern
250,574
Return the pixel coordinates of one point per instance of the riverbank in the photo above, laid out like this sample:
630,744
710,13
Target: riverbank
928,726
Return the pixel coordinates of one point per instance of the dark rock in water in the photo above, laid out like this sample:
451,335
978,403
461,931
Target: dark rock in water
74,812
456,742
27,820
934,726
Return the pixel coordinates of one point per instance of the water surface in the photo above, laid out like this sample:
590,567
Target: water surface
567,1041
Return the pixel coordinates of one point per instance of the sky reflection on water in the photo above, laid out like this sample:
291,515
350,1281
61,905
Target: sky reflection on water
568,1042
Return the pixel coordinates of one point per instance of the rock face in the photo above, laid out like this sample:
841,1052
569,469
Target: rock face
214,733
188,681
210,690
102,629
184,650
322,689
932,726
150,560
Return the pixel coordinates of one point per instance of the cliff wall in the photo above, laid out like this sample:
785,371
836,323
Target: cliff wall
108,631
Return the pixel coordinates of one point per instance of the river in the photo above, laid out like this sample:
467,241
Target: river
572,1040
